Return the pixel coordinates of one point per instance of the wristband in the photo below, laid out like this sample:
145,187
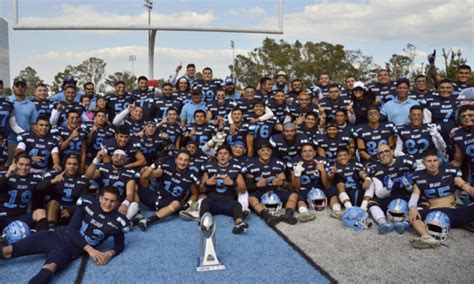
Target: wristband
96,161
126,203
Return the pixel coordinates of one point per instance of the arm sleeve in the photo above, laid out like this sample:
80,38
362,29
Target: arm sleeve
74,226
119,243
399,148
54,117
14,125
268,114
173,78
426,115
119,118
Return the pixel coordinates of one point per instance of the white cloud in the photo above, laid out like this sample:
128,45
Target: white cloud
254,11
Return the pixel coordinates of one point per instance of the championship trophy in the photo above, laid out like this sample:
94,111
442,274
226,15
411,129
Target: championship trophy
207,259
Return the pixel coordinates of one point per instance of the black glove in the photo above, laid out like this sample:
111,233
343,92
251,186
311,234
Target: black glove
432,57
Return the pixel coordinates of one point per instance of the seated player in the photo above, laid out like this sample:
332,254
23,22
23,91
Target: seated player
308,173
264,174
258,130
119,176
84,232
329,142
436,184
352,182
392,180
199,130
179,183
221,181
64,190
132,116
287,145
128,144
18,188
98,131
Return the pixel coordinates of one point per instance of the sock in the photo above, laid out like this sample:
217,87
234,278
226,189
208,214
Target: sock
51,224
377,214
44,276
364,204
425,235
244,200
336,207
42,224
132,210
347,204
302,210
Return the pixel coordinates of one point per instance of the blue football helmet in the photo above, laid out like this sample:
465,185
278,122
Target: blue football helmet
316,199
438,224
15,231
355,218
397,210
272,202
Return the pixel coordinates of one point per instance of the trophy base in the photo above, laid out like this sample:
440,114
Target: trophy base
203,267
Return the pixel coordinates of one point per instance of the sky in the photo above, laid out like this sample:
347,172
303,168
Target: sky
377,28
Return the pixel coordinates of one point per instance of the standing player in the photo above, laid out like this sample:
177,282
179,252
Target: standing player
288,144
384,89
208,85
258,131
44,106
118,101
333,102
199,131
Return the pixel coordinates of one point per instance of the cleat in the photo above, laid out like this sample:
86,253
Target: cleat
272,221
336,215
289,219
306,217
136,219
425,242
240,228
189,215
401,227
143,224
385,228
245,213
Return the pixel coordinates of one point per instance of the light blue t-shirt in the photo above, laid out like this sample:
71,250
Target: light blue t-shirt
25,114
188,111
398,112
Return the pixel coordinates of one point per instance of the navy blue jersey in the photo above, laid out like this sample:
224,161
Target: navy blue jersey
96,225
16,193
110,176
184,97
279,111
116,104
436,186
97,139
220,191
287,151
172,130
43,107
246,106
260,130
349,175
310,177
458,87
39,146
68,107
311,133
177,184
132,147
3,152
208,88
219,110
150,146
135,126
267,171
375,137
330,145
384,92
239,135
76,143
69,190
394,176
162,104
243,162
203,133
415,140
464,139
443,112
420,98
294,110
6,108
145,99
197,162
331,107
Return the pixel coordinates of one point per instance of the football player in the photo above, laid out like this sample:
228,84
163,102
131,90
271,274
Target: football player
118,101
208,85
258,130
129,144
132,116
384,89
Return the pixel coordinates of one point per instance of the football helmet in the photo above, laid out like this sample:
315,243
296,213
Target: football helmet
316,199
272,203
438,224
15,231
355,219
397,210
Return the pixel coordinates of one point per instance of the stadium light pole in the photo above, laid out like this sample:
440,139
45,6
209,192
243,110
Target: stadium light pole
132,58
151,40
232,44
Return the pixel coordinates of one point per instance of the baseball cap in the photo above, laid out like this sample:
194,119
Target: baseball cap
281,73
19,80
239,144
466,94
359,85
229,81
289,125
120,152
69,79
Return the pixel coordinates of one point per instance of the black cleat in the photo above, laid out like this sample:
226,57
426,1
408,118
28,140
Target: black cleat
143,224
289,219
240,228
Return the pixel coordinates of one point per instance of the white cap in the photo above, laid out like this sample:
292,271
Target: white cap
359,84
281,73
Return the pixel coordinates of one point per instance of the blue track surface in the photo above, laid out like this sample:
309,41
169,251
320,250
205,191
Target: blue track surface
168,252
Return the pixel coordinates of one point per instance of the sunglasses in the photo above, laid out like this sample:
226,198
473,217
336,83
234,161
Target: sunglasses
20,85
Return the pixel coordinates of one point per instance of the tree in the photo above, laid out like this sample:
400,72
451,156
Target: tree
303,61
90,70
58,79
125,76
399,65
32,79
452,60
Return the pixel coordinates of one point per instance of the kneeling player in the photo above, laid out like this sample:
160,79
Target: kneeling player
221,181
179,182
85,231
266,174
436,184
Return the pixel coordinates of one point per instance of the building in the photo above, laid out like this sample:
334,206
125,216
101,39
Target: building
4,54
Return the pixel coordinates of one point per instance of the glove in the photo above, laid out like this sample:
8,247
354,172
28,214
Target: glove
298,169
433,130
219,138
432,57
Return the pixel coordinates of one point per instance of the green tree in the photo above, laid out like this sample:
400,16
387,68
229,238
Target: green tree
125,76
303,61
90,70
32,79
59,77
399,65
